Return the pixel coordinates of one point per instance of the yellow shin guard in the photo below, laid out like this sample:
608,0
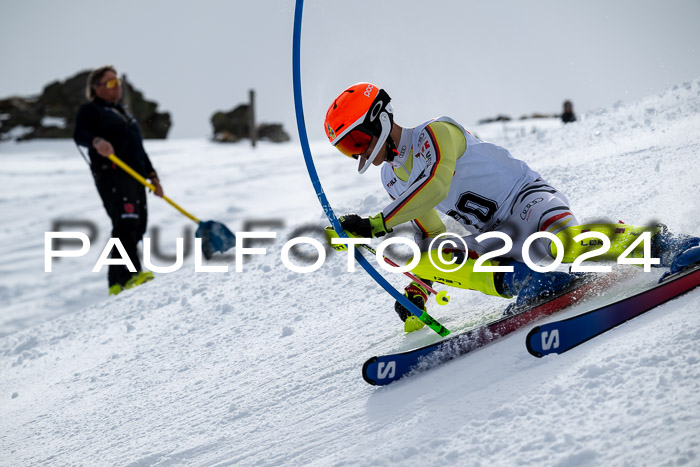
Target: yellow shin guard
621,237
462,276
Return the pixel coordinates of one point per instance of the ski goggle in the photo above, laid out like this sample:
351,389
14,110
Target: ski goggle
112,83
354,143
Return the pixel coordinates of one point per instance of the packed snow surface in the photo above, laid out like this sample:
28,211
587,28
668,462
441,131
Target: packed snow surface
262,366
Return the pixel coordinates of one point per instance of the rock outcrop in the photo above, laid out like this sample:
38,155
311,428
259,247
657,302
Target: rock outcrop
52,114
234,125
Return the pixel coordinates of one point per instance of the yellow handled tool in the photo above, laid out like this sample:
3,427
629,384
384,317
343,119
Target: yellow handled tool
215,235
149,185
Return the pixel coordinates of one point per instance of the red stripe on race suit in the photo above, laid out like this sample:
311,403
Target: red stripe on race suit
423,230
425,183
553,219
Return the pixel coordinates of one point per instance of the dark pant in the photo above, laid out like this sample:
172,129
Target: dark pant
125,201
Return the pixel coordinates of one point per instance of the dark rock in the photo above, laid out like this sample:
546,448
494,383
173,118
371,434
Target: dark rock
537,115
233,126
225,136
52,114
500,118
18,115
153,124
272,132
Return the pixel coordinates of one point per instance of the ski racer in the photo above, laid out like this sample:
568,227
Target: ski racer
438,166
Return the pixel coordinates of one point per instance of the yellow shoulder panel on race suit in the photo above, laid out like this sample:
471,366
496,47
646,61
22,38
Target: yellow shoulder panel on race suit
429,225
442,145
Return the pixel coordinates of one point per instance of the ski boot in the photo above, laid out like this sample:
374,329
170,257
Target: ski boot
675,251
418,295
530,285
139,278
115,289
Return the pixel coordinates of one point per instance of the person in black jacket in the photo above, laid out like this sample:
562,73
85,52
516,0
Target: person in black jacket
568,115
105,127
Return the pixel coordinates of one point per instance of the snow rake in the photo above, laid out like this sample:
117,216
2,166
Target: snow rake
215,235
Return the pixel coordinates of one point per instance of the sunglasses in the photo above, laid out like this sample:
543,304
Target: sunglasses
354,143
112,83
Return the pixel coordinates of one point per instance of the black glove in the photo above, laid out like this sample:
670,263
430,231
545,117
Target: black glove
417,294
365,227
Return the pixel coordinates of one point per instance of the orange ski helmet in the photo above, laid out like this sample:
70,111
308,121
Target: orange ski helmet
359,113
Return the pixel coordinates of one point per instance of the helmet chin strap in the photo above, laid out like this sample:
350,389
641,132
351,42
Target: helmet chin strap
386,129
391,150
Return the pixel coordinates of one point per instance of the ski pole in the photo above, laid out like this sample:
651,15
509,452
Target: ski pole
440,297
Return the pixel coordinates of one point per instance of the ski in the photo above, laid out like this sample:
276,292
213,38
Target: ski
560,336
385,369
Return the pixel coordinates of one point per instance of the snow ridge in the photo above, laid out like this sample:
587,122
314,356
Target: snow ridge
263,366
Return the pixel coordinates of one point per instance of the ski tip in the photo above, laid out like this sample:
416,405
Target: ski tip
528,341
364,371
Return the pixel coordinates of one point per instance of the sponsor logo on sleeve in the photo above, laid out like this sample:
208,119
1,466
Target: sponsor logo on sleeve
528,209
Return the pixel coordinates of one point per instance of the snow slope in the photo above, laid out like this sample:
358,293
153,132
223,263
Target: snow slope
263,366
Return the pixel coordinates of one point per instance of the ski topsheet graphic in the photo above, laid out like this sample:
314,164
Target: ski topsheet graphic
385,369
560,336
555,337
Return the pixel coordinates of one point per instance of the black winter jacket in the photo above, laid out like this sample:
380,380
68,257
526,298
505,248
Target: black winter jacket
113,123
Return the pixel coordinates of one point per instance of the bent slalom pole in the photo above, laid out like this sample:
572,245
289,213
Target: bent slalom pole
440,297
320,194
215,235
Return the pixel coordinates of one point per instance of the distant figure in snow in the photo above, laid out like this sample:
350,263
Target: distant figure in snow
438,166
105,127
568,115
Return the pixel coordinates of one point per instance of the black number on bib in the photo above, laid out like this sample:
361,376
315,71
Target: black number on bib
470,203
